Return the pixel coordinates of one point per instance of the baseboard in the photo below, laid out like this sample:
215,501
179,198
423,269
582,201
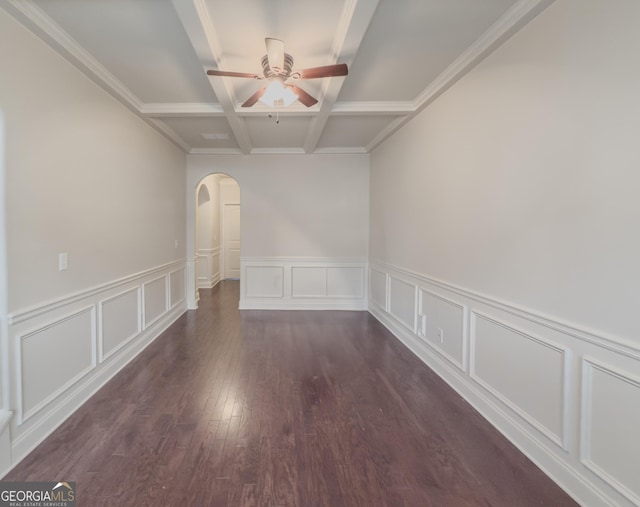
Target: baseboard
75,397
265,304
210,283
61,352
527,443
491,351
5,442
299,283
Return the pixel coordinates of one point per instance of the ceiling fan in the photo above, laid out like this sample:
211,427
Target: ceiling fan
276,67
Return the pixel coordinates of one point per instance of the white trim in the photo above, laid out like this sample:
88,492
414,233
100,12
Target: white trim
65,44
39,309
374,108
286,298
559,440
551,463
341,150
277,151
384,308
557,455
87,387
215,151
510,22
146,324
257,303
397,318
588,364
159,110
308,261
171,306
607,341
462,366
101,355
23,416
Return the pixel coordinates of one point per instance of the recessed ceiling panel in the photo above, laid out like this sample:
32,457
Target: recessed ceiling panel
202,132
142,43
353,131
289,133
410,42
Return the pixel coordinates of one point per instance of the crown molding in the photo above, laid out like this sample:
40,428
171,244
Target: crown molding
341,150
387,131
215,151
182,109
277,151
260,109
374,108
47,29
38,22
168,132
509,23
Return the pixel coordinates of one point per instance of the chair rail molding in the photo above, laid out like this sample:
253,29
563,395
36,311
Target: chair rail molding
65,349
565,395
303,283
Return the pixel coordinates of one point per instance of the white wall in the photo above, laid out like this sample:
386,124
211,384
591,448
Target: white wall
68,188
5,414
87,177
504,245
296,208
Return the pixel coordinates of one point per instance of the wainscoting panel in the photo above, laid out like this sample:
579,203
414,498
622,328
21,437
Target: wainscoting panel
64,350
308,282
119,320
611,426
402,302
5,442
442,324
525,372
53,357
177,287
154,294
378,294
566,396
264,281
303,283
346,282
208,267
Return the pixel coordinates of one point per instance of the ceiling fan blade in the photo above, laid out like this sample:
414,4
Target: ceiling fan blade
255,97
275,53
339,69
303,96
224,73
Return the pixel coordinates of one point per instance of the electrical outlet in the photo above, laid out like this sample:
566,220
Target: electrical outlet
440,335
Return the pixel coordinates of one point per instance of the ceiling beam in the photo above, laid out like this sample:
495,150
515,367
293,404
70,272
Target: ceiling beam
355,20
35,19
194,16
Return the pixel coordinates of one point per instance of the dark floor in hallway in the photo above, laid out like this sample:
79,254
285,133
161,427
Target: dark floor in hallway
266,408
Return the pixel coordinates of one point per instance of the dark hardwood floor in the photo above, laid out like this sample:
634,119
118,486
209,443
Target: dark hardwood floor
265,408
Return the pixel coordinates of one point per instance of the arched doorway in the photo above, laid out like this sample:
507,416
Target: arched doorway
217,231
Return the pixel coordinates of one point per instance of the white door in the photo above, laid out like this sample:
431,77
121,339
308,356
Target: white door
231,240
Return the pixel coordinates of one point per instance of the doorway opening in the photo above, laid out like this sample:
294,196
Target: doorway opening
217,238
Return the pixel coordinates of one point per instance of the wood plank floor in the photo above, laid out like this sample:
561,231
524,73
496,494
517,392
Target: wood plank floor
264,408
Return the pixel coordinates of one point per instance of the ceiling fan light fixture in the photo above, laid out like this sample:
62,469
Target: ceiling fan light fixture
278,95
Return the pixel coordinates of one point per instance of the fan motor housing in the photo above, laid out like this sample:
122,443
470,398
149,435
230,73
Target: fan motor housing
282,73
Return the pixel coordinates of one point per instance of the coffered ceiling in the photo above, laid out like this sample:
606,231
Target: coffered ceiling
153,56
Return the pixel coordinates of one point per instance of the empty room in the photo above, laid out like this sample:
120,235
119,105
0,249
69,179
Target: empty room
339,253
